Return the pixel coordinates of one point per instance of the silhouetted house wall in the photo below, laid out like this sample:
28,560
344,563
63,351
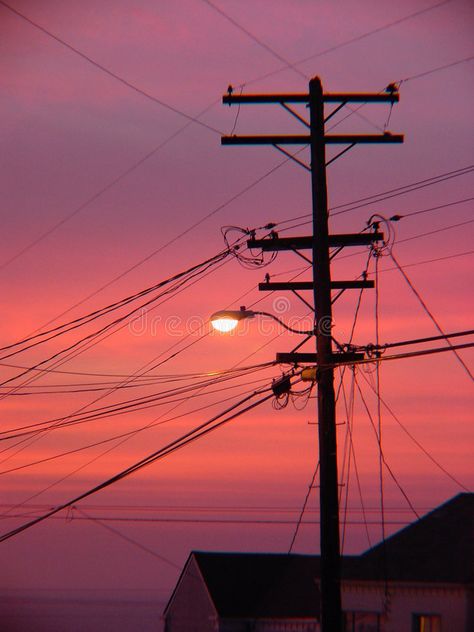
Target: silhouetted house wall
191,607
410,607
420,580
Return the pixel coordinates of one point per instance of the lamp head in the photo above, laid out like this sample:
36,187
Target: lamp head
227,320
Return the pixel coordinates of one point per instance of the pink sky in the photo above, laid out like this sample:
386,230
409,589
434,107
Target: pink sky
69,130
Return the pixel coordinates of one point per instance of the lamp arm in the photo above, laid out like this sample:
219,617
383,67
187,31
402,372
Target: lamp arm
303,332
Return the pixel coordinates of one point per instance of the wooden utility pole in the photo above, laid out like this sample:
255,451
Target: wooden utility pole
319,243
331,613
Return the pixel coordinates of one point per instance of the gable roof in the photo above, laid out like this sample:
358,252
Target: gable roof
261,585
439,547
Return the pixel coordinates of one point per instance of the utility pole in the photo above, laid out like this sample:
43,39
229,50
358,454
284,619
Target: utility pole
319,244
331,611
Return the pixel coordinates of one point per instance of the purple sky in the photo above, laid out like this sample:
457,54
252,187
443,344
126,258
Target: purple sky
70,131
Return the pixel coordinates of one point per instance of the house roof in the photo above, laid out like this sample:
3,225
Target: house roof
261,585
439,547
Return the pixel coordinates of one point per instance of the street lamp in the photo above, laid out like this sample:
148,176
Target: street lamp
227,320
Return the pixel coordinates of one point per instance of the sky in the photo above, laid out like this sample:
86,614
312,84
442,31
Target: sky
114,179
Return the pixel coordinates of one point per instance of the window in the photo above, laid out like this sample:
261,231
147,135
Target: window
426,623
361,622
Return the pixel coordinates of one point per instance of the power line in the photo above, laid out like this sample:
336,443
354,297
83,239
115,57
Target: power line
433,319
382,455
409,189
436,208
378,429
140,161
143,376
171,241
102,523
439,177
303,509
401,356
436,69
415,341
93,374
153,422
38,430
87,318
419,263
225,509
126,406
195,434
142,382
417,443
141,371
279,57
109,72
352,40
350,458
229,521
133,433
122,438
412,238
384,195
434,232
408,354
87,344
105,328
254,38
306,500
342,371
359,485
100,192
97,399
166,141
429,232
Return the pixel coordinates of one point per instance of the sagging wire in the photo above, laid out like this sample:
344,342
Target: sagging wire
230,90
281,388
376,252
254,260
281,401
374,222
304,395
284,393
391,89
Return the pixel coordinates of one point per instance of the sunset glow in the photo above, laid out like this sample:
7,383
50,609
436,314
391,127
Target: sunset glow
124,255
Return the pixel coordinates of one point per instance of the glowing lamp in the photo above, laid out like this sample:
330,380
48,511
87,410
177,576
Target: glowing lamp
227,320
